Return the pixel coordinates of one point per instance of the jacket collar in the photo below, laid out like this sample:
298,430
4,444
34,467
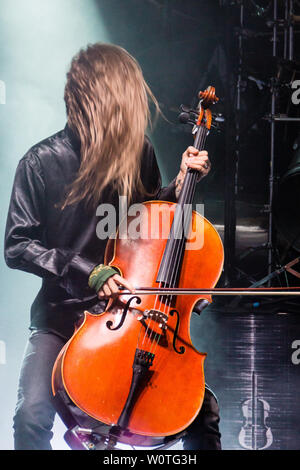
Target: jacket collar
73,137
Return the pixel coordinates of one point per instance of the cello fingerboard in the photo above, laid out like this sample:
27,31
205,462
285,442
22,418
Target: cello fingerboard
173,254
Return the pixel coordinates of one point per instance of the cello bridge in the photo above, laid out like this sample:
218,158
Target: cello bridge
156,316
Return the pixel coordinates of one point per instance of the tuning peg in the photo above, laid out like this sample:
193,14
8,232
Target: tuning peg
187,109
217,121
218,117
184,118
184,108
188,115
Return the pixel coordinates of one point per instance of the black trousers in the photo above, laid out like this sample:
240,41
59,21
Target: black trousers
35,412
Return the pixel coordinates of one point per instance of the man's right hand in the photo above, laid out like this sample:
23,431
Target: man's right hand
110,288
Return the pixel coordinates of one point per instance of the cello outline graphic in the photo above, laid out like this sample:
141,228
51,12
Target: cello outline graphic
255,434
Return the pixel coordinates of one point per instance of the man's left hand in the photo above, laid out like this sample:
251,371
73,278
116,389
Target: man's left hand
192,158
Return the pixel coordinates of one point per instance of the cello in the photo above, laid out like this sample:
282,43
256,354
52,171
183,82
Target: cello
255,434
133,367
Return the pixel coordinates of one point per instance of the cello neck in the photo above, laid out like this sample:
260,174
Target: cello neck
169,269
170,266
189,185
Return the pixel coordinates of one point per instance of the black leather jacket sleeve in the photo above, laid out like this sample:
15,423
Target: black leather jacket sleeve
30,221
25,232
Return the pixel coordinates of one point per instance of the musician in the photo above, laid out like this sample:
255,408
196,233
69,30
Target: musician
51,226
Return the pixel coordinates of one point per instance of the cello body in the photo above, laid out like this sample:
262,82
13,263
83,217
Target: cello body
95,367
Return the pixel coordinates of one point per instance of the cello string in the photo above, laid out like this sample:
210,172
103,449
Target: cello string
164,272
166,269
179,246
148,340
188,197
154,336
190,190
185,190
168,302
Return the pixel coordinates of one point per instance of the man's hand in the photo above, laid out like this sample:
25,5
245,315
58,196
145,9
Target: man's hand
192,158
111,287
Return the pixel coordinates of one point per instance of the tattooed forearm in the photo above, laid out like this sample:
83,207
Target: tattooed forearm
195,160
178,185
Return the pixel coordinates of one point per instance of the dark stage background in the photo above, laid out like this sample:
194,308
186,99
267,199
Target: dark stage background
182,46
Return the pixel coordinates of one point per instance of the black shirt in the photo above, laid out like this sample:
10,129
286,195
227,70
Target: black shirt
61,246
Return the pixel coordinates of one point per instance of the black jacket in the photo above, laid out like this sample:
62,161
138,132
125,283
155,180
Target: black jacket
61,246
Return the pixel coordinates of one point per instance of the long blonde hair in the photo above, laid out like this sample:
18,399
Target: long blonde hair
107,106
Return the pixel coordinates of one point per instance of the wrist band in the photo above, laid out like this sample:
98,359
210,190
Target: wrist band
99,276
